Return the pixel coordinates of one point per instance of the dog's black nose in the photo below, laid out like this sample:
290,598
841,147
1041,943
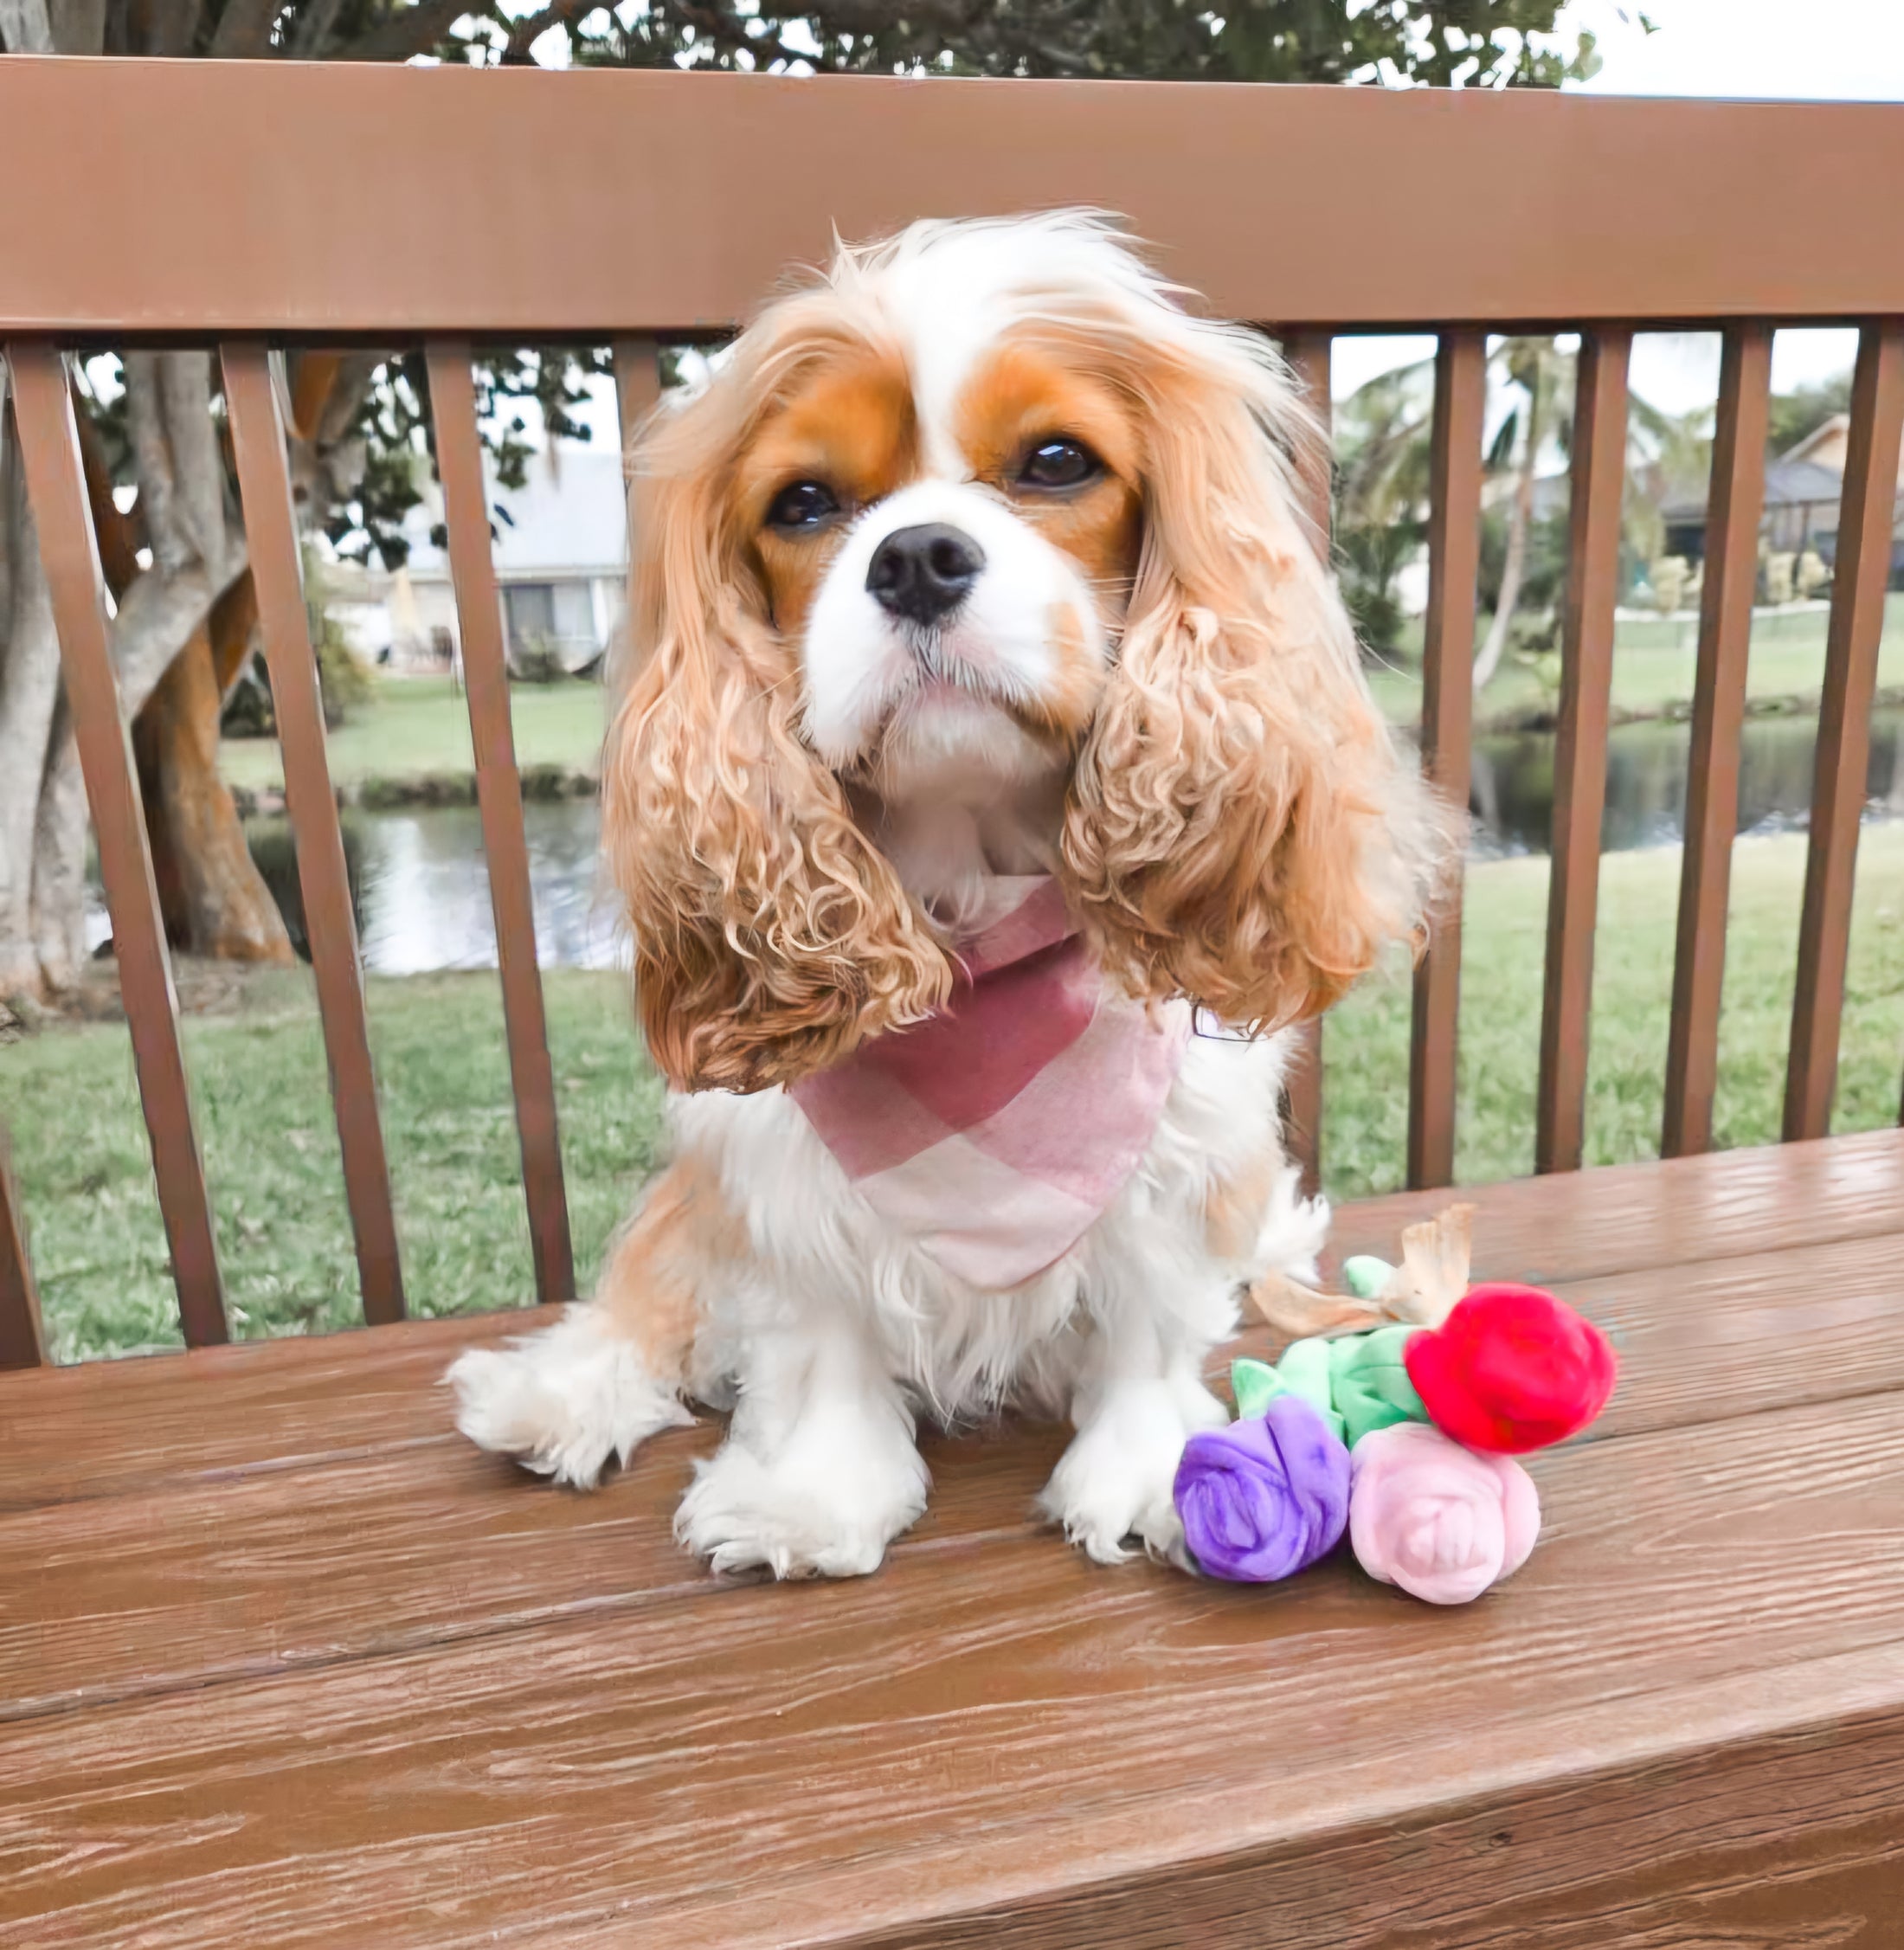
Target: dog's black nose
923,574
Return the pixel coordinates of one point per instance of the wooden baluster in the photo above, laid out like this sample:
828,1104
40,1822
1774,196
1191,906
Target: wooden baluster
1579,760
1859,577
499,792
1309,355
637,382
1734,502
49,447
271,529
636,391
22,1337
1447,720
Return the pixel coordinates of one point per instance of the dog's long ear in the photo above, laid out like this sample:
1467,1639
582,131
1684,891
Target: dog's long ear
770,936
1241,829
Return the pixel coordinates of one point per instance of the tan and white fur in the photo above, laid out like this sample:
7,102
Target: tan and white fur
1146,686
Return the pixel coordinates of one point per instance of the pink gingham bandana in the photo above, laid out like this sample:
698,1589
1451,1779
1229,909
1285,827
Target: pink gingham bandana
996,1132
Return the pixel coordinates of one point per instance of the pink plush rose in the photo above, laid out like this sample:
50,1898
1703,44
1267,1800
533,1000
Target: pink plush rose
1442,1521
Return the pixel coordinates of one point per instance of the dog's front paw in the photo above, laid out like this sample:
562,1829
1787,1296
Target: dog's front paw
798,1520
1117,1481
563,1401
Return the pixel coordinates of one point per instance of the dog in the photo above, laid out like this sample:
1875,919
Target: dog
995,784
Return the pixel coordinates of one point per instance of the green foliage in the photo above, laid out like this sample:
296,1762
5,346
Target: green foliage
1543,574
345,680
1804,411
1474,44
1381,494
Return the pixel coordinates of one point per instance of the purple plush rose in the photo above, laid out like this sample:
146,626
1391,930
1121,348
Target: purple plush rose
1263,1498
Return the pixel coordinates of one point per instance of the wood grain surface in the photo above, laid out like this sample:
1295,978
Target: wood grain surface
284,1662
664,202
737,1752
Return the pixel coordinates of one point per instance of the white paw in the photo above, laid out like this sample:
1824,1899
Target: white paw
797,1518
1115,1480
563,1401
1295,1230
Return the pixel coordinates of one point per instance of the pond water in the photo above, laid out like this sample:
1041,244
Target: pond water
1646,767
421,886
423,894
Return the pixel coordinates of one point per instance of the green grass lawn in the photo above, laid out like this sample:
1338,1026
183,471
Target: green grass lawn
1655,662
270,1149
418,727
1504,939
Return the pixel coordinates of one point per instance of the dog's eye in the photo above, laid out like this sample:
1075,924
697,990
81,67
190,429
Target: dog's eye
1059,463
807,504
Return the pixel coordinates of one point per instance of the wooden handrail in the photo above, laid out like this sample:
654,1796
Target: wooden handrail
671,202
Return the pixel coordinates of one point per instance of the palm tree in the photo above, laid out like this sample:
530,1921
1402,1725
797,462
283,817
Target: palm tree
1544,377
1382,434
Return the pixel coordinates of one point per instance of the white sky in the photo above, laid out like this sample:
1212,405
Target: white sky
1825,50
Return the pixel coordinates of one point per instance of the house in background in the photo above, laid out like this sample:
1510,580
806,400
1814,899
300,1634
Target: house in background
1803,485
561,552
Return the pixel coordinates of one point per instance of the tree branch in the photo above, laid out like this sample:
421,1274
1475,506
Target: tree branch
158,615
24,27
410,31
244,29
524,33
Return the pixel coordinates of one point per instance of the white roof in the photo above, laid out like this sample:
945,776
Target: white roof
569,518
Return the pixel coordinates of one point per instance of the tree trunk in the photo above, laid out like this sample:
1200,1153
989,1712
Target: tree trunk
214,899
30,691
1520,520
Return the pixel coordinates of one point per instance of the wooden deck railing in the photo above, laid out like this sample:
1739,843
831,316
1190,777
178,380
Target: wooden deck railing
630,208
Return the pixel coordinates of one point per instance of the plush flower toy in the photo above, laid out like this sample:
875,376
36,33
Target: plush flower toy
1403,1435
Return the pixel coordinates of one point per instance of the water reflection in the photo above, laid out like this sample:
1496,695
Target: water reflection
421,886
1646,767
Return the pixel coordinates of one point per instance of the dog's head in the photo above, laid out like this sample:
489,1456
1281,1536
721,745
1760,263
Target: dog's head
985,520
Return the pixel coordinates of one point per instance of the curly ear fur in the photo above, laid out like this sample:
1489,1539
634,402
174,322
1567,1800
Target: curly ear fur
770,936
1241,829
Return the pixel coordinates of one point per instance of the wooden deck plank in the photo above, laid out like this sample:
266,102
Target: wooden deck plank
165,1418
112,1426
426,1540
1714,1852
803,1763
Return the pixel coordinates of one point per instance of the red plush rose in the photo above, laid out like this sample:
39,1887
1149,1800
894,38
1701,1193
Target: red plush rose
1511,1369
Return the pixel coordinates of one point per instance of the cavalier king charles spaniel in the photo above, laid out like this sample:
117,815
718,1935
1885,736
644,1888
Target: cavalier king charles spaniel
995,783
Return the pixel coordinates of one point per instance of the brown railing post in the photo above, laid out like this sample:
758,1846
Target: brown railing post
1309,355
1579,759
1447,720
23,1336
50,445
1858,583
498,793
1734,502
637,383
271,528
